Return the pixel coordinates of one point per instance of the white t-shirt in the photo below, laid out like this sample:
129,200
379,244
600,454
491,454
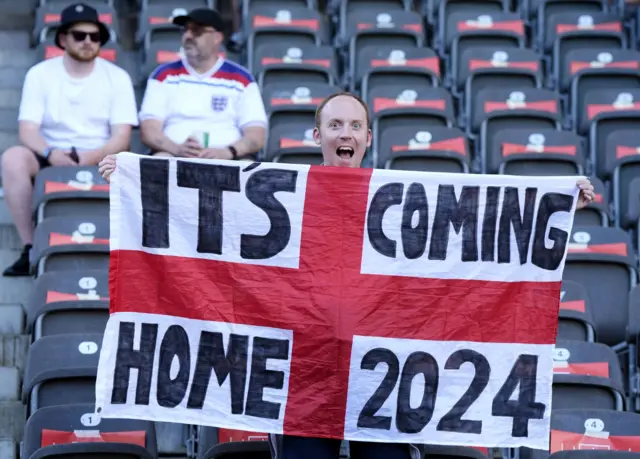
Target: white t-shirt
77,112
222,101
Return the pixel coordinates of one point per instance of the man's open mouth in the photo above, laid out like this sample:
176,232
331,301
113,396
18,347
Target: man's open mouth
344,152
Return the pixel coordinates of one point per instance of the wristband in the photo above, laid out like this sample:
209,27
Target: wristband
234,152
47,152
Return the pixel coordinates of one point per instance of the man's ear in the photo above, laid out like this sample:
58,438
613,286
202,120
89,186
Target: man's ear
369,137
316,135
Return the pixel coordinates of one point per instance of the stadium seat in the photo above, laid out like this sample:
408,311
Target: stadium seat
75,430
370,28
436,149
61,370
603,261
248,4
586,375
71,243
195,3
566,31
594,454
294,105
70,190
239,450
546,9
622,165
154,22
590,429
633,338
482,67
294,64
158,53
453,452
535,152
607,111
211,437
525,107
47,20
294,100
65,2
496,110
417,108
392,64
449,7
341,10
68,302
591,60
630,214
594,80
292,143
270,24
575,321
597,212
464,29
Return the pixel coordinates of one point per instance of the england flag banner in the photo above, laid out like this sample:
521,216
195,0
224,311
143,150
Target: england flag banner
358,304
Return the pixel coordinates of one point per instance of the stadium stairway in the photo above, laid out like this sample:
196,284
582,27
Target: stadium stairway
13,343
16,57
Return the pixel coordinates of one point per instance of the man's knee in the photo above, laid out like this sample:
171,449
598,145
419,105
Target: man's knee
18,161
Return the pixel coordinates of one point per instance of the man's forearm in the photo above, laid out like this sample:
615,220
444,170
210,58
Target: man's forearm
250,143
157,141
33,141
113,146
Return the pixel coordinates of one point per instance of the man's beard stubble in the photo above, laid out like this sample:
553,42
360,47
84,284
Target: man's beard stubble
83,56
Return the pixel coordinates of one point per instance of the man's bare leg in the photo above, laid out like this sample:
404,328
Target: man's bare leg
19,166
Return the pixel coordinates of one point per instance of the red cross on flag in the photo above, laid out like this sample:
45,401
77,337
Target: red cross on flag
371,305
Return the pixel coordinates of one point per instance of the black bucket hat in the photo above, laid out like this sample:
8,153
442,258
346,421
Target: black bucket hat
79,12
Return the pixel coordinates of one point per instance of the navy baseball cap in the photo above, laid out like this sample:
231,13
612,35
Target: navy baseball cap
201,16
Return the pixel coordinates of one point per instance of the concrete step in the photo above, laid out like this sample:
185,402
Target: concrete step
10,387
17,15
12,419
5,216
14,350
8,118
18,58
11,319
10,98
12,77
8,449
8,138
15,290
15,39
9,238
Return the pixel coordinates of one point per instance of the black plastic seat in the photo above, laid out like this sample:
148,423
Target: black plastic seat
75,430
70,190
61,370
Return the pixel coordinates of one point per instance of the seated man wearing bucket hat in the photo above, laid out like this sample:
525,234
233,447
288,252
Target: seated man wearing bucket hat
75,109
202,105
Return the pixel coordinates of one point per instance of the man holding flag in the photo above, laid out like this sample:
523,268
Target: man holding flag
342,131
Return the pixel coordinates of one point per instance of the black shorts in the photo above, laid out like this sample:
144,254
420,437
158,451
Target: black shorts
42,161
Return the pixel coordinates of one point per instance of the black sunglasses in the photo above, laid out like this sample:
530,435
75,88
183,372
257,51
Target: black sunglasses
196,30
82,36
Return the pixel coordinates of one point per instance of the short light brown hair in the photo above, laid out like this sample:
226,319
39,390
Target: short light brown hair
338,94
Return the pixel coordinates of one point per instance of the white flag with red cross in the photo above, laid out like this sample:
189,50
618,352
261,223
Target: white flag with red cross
359,304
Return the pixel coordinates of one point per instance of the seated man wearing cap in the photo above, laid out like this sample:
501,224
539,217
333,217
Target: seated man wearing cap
202,106
75,109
